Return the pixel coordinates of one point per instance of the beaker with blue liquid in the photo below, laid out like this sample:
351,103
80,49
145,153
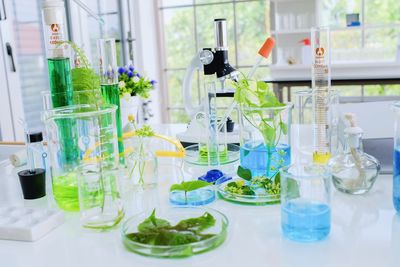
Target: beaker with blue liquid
265,142
305,202
396,159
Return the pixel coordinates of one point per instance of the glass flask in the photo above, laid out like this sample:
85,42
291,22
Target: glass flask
305,202
265,139
141,163
89,183
353,171
396,159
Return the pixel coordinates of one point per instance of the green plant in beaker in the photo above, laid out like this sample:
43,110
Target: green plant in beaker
265,127
96,138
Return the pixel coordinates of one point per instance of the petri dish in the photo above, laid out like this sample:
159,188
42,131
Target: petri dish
174,216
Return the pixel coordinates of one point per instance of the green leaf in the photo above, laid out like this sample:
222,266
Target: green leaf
277,179
284,127
292,189
189,186
197,225
152,223
244,173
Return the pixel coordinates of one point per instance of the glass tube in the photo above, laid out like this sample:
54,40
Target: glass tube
321,83
109,83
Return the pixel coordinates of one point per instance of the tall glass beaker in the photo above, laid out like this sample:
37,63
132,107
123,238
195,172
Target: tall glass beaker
265,139
396,158
96,139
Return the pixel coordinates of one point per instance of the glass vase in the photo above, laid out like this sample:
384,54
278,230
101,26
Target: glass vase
265,142
141,163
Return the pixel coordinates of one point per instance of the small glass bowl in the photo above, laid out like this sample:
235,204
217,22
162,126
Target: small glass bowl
175,215
198,197
257,199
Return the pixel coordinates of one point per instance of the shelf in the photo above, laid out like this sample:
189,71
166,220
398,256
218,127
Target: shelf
354,70
295,31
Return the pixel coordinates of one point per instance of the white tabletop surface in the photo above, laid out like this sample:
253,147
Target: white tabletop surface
365,232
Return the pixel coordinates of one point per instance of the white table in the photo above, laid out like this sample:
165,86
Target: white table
365,232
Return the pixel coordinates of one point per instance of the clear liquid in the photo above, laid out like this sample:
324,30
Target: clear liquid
305,221
197,197
396,179
110,94
262,161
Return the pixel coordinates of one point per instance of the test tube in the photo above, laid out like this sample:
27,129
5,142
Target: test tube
109,82
321,85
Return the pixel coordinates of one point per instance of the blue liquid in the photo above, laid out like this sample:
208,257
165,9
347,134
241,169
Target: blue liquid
255,156
396,179
197,197
305,221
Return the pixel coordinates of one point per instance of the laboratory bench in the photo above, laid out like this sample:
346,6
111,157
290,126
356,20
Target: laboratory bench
365,231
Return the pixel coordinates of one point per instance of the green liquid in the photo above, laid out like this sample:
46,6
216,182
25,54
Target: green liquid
65,191
60,81
110,94
65,188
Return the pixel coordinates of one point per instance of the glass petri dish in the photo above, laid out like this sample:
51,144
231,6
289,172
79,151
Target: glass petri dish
174,216
259,198
198,197
197,155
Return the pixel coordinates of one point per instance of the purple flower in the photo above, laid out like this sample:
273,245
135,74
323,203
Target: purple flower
153,82
121,70
131,68
130,74
137,74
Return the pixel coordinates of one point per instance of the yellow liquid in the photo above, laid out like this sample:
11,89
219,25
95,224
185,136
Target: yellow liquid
65,191
321,158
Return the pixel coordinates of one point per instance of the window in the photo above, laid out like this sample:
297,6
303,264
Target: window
188,27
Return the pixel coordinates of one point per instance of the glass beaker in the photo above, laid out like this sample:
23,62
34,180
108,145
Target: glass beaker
265,139
141,162
94,137
396,158
305,202
304,136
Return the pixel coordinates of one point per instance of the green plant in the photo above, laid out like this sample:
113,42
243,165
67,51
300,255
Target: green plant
272,186
84,78
240,188
189,186
160,232
131,83
262,109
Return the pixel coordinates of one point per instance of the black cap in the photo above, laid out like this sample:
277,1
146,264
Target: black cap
33,183
35,137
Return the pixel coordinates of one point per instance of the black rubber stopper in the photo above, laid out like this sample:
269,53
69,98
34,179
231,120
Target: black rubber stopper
35,137
33,183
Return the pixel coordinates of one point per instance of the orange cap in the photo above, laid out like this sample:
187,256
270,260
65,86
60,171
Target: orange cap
267,47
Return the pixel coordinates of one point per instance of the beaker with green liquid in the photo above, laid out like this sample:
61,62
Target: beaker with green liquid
96,169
